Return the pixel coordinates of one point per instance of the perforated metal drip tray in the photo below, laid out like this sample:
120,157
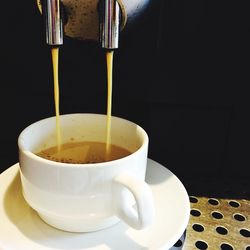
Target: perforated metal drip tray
217,224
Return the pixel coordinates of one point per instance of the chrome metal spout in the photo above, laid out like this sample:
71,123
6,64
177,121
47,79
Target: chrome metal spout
53,16
109,24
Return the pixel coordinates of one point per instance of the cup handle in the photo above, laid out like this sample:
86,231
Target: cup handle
143,216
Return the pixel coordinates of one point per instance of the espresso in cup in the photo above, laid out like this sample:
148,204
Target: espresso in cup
84,152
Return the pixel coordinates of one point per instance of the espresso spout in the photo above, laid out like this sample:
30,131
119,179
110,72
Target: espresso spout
53,17
109,24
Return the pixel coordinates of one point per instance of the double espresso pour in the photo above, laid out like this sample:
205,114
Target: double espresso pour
86,151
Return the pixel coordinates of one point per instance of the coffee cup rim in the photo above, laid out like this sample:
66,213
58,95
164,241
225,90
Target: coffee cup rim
33,156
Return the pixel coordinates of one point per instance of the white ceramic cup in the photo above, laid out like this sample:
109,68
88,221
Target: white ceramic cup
86,197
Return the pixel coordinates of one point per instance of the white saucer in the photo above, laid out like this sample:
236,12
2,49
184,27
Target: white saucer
22,229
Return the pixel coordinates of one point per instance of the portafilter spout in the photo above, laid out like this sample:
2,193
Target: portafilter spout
53,17
109,24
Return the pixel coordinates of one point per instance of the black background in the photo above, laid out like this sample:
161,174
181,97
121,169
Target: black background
182,72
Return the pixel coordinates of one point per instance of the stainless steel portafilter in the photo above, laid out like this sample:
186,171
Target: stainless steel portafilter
95,20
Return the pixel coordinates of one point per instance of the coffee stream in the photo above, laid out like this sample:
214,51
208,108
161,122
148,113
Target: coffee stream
109,61
55,59
109,58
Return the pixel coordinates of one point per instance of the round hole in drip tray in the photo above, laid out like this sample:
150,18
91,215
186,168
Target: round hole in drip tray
245,233
193,199
226,246
239,217
201,245
195,212
234,203
217,215
213,202
198,228
221,230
